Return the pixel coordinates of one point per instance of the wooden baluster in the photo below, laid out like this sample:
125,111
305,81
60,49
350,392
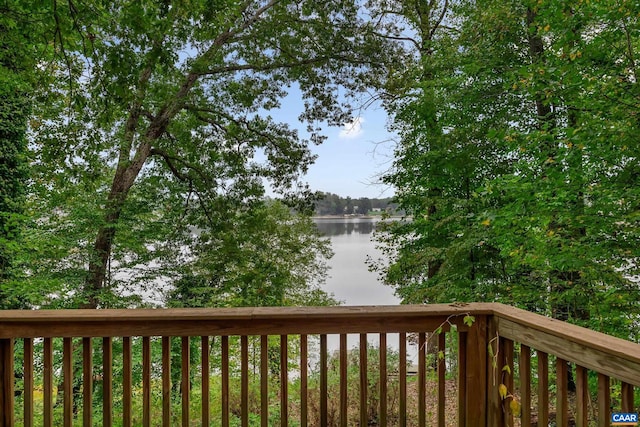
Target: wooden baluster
225,381
422,379
304,362
48,382
524,368
323,380
6,382
383,380
67,375
284,381
462,378
185,385
205,379
402,379
364,415
264,381
441,379
543,388
146,381
28,382
127,382
562,405
343,381
626,390
244,381
166,381
582,397
604,400
506,347
107,381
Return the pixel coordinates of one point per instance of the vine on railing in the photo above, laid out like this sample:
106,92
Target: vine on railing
514,405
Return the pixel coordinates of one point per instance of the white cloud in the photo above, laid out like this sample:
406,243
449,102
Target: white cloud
352,129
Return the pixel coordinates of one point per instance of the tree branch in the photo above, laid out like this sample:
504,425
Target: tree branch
168,159
408,39
440,18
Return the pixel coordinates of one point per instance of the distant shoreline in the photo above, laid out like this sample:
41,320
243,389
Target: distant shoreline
345,217
355,217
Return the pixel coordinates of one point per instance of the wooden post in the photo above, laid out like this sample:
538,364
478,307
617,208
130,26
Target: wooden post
475,374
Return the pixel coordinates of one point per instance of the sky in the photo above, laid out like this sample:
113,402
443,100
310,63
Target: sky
352,158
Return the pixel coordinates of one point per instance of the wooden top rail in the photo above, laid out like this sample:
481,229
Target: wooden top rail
603,353
233,321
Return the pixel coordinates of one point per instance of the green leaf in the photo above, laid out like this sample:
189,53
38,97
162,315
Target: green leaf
469,320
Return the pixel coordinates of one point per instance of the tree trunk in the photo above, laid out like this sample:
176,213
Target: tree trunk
123,181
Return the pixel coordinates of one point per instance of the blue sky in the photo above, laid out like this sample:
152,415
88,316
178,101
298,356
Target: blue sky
352,157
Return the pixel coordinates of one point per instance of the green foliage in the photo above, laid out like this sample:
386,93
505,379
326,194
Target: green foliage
263,255
332,204
16,47
515,160
153,144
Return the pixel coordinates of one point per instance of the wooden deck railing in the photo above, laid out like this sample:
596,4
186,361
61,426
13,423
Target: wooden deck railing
277,366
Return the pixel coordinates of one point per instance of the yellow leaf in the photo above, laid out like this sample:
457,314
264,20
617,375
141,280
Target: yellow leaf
486,222
514,405
547,27
502,389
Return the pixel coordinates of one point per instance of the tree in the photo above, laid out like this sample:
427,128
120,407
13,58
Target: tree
164,108
17,47
272,257
364,205
520,194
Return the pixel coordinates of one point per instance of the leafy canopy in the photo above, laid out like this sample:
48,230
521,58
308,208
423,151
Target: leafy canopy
158,124
517,157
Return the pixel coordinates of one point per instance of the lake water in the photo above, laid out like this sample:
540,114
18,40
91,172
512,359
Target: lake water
349,278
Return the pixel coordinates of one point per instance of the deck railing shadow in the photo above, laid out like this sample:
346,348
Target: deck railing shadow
476,365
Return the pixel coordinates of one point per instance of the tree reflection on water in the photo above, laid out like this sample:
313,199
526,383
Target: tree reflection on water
340,226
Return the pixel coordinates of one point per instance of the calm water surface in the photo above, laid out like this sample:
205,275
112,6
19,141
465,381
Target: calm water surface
349,279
